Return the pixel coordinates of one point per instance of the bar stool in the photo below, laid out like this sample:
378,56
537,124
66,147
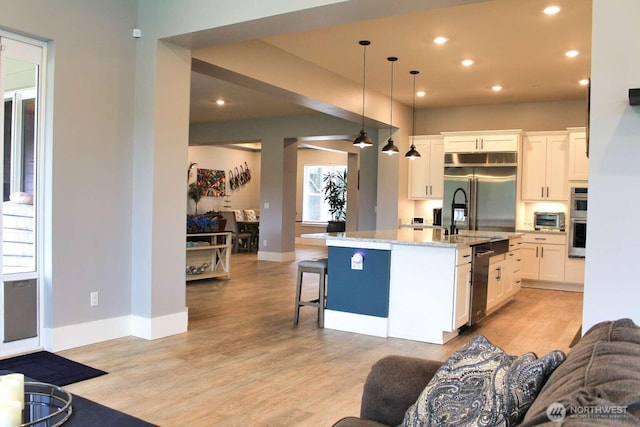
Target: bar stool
319,267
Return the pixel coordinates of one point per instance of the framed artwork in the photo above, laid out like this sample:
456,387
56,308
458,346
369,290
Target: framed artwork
212,181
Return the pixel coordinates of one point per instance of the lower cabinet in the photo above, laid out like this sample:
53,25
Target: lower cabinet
514,262
462,296
504,275
498,276
574,270
543,257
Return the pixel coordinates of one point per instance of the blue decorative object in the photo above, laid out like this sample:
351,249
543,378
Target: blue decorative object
202,224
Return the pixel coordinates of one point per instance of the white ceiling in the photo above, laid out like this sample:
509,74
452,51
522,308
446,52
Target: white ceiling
511,41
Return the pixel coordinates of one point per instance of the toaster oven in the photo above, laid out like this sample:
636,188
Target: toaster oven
548,221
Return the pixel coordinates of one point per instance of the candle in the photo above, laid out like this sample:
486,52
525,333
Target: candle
20,379
10,390
10,413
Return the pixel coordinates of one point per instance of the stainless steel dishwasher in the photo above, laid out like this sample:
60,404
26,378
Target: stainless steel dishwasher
479,282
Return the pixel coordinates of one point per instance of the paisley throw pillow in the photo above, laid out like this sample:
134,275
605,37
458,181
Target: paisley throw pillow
481,385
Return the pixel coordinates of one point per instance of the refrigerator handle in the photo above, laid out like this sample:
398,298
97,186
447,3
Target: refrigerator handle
470,201
475,203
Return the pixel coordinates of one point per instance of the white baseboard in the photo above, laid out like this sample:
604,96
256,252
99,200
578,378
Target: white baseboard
276,256
66,337
554,286
159,327
358,323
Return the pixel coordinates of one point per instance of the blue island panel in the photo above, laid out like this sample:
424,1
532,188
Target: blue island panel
363,291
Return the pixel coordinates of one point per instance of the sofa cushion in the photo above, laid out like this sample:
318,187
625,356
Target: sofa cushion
394,384
481,385
604,366
357,422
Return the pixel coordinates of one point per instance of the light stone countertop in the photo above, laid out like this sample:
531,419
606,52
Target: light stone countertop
425,237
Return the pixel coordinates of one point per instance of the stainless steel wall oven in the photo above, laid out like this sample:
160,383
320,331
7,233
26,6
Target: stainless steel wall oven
578,222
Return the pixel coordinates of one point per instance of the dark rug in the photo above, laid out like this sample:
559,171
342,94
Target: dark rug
89,413
50,368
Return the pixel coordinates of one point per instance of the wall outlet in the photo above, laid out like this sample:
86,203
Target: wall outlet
264,242
94,299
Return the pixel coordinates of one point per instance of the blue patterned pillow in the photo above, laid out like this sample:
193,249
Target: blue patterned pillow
481,385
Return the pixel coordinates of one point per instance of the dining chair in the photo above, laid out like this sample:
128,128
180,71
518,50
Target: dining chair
240,240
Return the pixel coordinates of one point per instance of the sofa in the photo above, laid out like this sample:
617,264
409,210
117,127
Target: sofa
597,384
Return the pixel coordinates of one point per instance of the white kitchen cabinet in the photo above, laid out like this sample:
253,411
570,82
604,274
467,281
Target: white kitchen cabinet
514,262
574,270
495,286
481,141
544,166
426,173
543,257
462,297
578,160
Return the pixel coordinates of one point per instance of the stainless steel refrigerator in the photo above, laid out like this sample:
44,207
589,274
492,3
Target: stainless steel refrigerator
488,183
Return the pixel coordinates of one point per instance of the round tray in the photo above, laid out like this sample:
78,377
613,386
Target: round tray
45,405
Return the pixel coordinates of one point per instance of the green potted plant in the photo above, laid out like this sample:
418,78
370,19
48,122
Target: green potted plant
195,193
335,194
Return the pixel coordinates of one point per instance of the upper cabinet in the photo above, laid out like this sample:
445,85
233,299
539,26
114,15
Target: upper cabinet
481,141
426,173
578,161
544,166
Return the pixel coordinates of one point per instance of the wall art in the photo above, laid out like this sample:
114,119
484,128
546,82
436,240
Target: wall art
212,181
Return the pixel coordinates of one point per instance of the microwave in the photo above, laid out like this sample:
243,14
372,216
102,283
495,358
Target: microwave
548,221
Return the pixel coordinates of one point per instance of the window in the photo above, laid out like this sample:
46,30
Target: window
314,208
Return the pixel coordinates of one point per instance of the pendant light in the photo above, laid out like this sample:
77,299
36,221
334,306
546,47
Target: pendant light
363,140
390,148
413,153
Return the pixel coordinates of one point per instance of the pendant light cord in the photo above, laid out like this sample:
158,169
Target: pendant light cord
392,60
364,75
413,132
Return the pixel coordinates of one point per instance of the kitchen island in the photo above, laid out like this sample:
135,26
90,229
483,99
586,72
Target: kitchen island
412,284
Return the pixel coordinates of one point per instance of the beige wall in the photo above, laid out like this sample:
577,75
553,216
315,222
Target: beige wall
533,116
224,158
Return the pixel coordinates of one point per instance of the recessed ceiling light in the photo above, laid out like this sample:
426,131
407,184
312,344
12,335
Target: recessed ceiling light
220,101
572,53
496,88
467,62
421,93
584,82
551,10
440,40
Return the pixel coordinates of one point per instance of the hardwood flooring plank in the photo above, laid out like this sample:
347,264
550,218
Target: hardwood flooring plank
243,362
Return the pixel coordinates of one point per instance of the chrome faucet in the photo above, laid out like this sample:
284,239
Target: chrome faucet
453,230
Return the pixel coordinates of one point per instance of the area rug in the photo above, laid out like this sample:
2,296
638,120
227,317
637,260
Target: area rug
89,413
50,368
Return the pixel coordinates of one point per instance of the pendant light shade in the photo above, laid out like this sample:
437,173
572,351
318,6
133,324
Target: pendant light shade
391,148
413,153
363,140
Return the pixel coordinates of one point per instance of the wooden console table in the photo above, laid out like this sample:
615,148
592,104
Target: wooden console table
217,254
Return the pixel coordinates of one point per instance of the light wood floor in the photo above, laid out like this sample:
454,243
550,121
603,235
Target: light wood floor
244,363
